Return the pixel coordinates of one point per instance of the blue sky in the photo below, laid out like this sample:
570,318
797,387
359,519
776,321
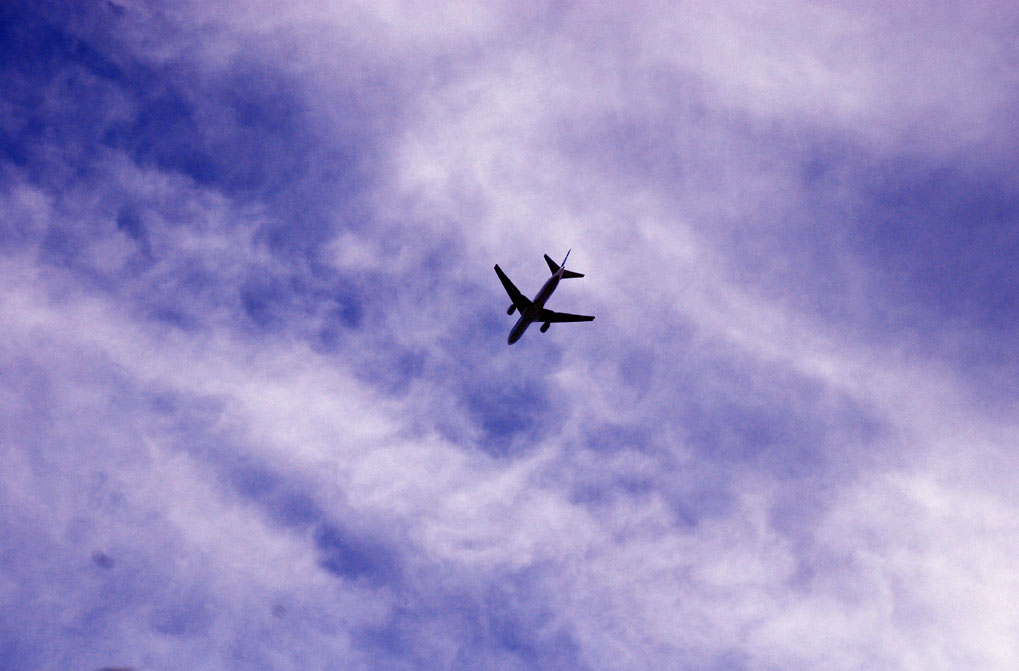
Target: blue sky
257,410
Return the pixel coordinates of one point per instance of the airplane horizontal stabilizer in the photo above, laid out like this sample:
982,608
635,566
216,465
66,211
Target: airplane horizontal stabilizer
554,267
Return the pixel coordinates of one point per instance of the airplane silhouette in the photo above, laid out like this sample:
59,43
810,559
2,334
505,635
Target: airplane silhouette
534,310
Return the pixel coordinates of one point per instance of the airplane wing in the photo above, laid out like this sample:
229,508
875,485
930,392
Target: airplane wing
522,304
554,317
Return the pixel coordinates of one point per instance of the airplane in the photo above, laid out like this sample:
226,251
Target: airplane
534,310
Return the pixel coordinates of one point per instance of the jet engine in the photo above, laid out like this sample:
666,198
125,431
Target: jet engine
544,327
510,309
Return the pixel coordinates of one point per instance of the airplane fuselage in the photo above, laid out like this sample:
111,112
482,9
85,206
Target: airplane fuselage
529,316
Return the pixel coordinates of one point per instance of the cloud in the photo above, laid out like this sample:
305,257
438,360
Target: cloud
257,409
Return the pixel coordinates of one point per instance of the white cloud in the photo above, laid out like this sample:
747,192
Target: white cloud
893,552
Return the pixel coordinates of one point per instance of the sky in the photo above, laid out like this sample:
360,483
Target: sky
257,409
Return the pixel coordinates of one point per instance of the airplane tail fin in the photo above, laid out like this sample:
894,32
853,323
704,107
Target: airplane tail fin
554,267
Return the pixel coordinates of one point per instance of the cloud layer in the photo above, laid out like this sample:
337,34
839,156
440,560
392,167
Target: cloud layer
256,405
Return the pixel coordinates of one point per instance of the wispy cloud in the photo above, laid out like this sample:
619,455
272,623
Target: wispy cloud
256,406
